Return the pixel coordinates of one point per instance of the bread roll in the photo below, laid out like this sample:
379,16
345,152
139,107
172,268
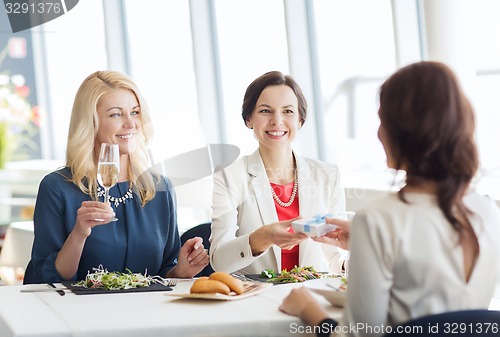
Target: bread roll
209,287
200,279
232,282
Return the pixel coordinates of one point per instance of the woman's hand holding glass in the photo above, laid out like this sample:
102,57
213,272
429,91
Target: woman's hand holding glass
94,213
91,214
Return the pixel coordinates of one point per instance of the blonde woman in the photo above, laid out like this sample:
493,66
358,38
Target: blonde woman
73,228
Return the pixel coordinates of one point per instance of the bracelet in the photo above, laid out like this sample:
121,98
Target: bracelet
326,327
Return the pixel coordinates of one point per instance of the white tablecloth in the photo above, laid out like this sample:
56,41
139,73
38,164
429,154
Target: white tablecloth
146,314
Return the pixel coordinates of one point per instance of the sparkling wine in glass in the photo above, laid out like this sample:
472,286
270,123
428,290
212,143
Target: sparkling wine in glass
108,168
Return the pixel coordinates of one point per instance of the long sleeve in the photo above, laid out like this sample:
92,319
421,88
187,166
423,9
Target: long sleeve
230,246
370,276
54,219
173,243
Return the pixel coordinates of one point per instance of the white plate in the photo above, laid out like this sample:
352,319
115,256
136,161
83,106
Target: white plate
250,289
327,288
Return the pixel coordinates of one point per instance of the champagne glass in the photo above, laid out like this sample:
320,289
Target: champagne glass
108,168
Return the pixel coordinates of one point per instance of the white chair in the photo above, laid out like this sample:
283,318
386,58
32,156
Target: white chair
16,249
357,198
191,174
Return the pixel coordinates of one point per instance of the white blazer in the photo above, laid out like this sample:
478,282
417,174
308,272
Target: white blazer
242,203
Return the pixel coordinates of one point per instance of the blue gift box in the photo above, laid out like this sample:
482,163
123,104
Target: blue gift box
315,226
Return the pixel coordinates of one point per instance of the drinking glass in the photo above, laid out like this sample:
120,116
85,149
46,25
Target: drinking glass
108,168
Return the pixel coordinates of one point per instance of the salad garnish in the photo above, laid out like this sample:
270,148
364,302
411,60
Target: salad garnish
268,273
297,274
101,278
343,284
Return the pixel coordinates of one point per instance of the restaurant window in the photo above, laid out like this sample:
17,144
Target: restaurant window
74,46
161,62
248,49
356,53
485,97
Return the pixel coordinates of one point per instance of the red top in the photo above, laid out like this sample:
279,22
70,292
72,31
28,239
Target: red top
289,257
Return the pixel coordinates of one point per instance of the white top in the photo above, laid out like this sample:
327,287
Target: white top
406,261
242,203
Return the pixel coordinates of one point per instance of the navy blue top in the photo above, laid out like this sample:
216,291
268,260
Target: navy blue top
143,239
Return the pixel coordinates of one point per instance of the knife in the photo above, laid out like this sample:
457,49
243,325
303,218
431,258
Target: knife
59,291
53,288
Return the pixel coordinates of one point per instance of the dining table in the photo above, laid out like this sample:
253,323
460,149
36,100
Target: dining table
147,314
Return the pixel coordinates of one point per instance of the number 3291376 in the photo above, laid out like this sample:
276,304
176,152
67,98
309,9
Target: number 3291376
34,8
470,328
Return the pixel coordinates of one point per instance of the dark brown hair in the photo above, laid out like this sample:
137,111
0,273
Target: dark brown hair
271,78
429,125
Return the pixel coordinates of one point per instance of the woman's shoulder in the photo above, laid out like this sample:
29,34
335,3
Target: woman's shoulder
61,174
57,182
387,205
239,165
391,205
163,183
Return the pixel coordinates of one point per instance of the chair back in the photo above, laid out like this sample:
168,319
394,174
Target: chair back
203,231
471,323
29,278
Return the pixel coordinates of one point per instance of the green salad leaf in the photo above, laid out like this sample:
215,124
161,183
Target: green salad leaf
268,273
103,279
297,274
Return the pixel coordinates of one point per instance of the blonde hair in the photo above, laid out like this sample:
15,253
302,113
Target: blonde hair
83,128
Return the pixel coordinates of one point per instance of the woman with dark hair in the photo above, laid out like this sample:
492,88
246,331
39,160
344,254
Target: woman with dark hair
256,198
433,246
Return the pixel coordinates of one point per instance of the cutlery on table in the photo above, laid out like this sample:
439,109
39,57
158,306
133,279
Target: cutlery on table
41,289
332,286
59,291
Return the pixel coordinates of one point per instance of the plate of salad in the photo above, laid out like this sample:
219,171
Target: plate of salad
102,281
295,275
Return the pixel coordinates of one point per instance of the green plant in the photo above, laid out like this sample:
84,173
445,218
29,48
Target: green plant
19,121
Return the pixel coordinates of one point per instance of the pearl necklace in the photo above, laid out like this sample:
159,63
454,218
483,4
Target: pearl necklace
123,199
292,197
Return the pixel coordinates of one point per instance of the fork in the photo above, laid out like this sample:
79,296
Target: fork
172,282
333,286
241,277
60,292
